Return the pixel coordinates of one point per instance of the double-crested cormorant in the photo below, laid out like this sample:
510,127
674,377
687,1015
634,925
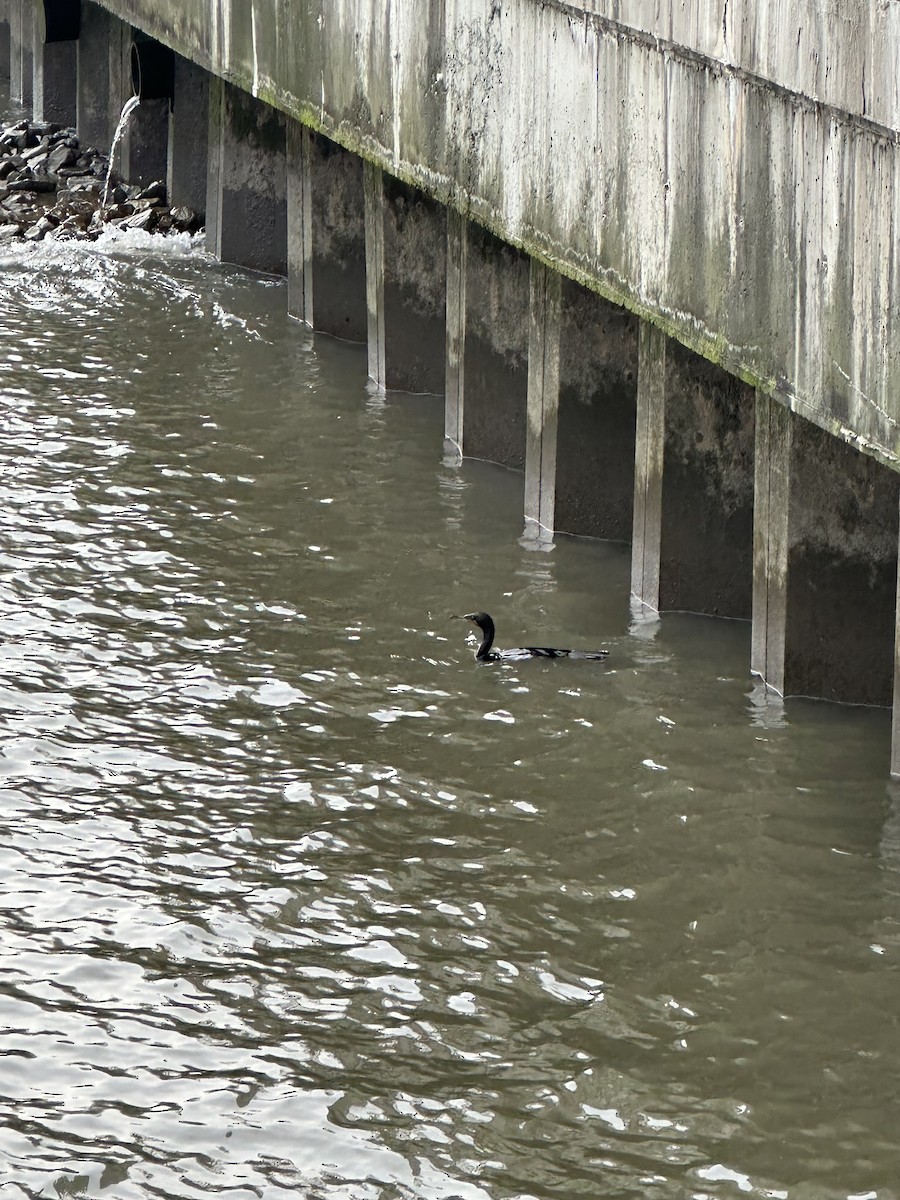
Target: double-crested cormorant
484,653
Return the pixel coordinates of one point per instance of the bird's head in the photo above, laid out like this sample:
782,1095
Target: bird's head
481,619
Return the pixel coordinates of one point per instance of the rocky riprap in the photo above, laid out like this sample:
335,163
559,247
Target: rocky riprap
51,186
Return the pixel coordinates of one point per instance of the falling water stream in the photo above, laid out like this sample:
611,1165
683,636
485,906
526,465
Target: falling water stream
299,900
127,109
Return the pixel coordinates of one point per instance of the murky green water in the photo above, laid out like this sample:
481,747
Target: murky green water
297,899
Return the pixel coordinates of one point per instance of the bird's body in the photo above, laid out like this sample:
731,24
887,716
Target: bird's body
486,653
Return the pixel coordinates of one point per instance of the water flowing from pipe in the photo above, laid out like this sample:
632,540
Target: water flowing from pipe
128,108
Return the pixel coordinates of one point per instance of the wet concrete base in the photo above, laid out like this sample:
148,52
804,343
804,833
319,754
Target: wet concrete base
414,289
842,571
495,370
706,537
596,421
246,207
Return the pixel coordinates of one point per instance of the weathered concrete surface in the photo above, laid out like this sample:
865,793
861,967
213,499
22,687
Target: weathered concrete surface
454,396
842,571
331,248
4,39
649,456
728,170
692,542
596,430
706,544
825,565
406,285
845,54
188,140
415,288
55,81
771,539
104,75
21,51
145,145
495,373
543,398
246,205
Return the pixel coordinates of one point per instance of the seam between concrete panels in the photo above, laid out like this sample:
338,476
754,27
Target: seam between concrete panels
716,66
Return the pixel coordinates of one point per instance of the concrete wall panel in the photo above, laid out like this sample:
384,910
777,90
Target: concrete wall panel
728,170
706,557
842,572
496,355
596,423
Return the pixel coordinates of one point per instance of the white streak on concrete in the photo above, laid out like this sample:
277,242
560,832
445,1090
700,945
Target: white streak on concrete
255,85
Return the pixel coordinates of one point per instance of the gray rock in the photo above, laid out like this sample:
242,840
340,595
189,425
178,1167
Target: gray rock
141,220
34,184
153,191
9,231
60,156
35,232
42,147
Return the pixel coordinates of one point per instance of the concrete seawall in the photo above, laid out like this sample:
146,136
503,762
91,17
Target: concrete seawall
649,256
730,176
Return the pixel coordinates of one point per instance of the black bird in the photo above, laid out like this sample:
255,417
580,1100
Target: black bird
484,653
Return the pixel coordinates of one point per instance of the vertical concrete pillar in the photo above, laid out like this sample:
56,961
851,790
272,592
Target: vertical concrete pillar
299,223
597,411
55,80
21,52
542,396
55,61
495,382
4,38
214,152
648,465
374,198
188,137
771,505
895,716
104,74
246,202
454,396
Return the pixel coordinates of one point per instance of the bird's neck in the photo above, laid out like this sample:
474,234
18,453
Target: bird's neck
487,641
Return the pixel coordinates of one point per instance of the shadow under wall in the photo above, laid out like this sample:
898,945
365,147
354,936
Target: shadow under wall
706,545
598,357
496,350
338,240
842,571
415,289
